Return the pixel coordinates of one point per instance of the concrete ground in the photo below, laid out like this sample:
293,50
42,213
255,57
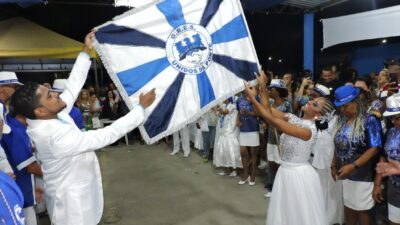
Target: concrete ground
144,185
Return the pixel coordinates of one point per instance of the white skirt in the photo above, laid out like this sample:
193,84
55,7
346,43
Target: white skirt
333,196
227,152
394,213
273,153
297,197
249,139
357,195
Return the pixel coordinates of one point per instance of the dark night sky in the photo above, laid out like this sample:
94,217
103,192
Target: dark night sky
276,35
279,37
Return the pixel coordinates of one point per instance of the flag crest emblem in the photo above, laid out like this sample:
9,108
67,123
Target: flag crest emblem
189,49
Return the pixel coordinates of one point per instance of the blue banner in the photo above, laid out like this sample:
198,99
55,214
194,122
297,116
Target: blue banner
194,53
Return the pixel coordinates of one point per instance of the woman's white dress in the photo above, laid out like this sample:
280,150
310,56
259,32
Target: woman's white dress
297,197
227,148
323,154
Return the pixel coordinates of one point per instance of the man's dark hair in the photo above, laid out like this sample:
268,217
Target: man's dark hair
288,73
282,92
25,100
366,79
327,68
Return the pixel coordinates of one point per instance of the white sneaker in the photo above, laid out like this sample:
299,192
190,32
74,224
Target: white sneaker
241,182
222,173
233,174
252,183
268,194
186,156
262,165
173,153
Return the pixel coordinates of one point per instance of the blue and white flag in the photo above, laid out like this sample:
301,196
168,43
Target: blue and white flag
196,53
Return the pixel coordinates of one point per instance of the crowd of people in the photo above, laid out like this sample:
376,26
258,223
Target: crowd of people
320,145
324,147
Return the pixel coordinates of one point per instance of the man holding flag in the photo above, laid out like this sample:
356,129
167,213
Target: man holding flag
195,53
71,173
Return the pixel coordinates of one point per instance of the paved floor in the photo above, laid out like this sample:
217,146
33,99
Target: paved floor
144,185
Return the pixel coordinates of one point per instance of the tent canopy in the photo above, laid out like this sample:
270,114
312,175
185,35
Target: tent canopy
20,38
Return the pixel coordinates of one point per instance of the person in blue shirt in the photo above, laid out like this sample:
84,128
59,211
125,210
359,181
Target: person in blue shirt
18,149
392,154
8,84
357,141
11,200
249,139
75,113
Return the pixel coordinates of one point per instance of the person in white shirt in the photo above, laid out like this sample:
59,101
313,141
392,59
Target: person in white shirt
181,136
71,173
210,119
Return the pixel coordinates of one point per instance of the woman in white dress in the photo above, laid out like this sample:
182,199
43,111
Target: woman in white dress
297,197
227,148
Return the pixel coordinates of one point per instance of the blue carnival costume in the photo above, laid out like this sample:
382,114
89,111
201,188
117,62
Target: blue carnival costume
351,142
349,149
392,151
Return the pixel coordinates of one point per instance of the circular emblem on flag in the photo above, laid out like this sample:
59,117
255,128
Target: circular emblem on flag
189,49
